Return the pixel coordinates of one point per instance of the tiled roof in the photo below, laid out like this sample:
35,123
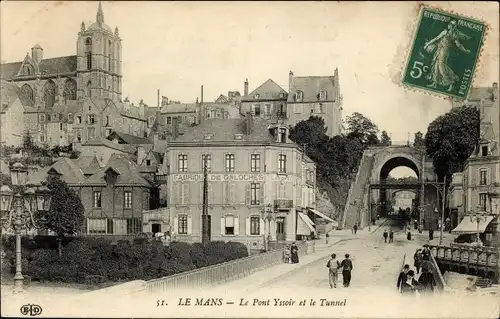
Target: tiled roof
224,130
268,90
222,99
178,108
70,172
128,110
52,66
311,86
126,148
88,164
128,173
129,139
9,93
64,64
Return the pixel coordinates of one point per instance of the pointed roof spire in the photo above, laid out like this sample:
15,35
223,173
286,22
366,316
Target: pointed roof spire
100,14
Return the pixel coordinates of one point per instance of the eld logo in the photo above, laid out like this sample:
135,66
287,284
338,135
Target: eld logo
31,310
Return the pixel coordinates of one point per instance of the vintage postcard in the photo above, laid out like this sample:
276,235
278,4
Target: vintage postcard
249,159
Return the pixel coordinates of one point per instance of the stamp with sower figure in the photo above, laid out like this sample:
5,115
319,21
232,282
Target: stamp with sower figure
444,53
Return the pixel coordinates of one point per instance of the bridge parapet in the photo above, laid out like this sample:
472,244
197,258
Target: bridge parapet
221,273
466,258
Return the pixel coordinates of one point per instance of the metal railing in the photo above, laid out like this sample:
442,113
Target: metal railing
438,276
221,273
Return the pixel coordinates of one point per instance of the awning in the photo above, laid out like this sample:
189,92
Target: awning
323,216
305,225
468,226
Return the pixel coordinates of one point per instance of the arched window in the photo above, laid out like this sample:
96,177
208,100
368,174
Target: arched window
69,90
109,62
299,96
49,93
89,60
88,44
88,53
322,95
87,89
28,91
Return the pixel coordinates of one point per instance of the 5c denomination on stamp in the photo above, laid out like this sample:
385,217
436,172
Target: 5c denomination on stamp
444,53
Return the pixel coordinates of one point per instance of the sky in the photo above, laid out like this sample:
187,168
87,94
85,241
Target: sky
178,46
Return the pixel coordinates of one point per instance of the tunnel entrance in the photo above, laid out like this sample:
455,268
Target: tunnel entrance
399,175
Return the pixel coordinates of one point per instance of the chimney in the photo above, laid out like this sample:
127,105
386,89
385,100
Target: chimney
175,128
37,53
248,123
290,82
245,89
202,109
141,155
495,90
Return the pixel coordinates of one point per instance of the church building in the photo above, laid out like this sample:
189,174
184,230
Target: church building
74,97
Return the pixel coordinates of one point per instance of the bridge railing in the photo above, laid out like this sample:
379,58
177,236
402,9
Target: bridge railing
438,276
470,255
220,273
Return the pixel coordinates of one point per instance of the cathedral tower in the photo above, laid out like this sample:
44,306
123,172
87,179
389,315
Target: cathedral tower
99,65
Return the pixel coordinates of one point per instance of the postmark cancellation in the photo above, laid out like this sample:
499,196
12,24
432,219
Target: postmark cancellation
444,53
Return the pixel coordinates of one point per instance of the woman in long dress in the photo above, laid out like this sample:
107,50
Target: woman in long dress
294,253
440,72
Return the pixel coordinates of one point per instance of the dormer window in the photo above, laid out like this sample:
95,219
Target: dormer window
322,95
238,136
148,162
282,95
256,96
299,95
484,150
282,135
207,136
110,176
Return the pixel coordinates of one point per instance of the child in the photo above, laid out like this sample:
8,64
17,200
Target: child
286,255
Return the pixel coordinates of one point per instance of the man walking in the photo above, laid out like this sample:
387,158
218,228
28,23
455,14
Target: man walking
346,265
385,236
355,227
333,266
426,281
402,277
391,236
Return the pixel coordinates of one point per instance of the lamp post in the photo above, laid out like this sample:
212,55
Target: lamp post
18,209
205,218
268,215
478,217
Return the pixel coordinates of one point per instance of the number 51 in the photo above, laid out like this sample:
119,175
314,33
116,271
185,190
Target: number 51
418,69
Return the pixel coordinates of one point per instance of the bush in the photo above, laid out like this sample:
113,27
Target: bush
94,261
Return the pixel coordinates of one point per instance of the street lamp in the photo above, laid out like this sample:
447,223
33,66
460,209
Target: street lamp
268,215
478,217
17,211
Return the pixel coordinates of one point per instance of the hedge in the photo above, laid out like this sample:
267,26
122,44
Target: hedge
93,261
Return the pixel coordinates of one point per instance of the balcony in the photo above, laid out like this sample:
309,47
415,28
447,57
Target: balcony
283,204
161,179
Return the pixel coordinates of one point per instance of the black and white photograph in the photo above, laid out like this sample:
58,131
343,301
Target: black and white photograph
260,159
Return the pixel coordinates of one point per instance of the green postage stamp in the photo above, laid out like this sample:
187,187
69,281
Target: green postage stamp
444,53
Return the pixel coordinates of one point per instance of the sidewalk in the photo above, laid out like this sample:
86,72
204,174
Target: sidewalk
322,251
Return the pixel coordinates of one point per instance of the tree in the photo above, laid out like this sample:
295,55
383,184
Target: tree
66,213
310,132
385,140
361,127
451,139
418,139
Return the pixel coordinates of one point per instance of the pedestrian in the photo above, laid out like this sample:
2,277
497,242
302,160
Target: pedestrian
431,234
391,236
415,224
355,227
386,234
426,253
327,236
333,266
286,254
417,260
426,281
410,285
294,253
373,221
346,265
408,236
402,276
